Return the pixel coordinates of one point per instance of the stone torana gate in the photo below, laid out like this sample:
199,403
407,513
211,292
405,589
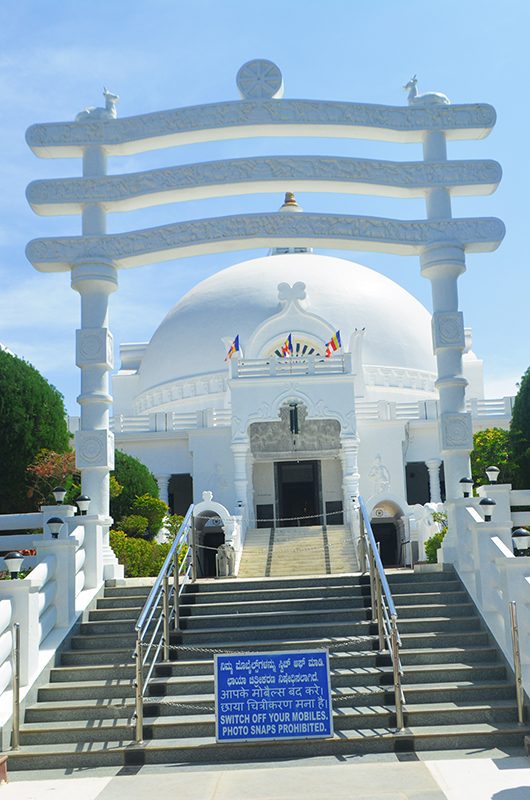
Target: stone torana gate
94,257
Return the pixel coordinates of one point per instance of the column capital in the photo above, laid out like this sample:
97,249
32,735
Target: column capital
92,272
433,463
443,259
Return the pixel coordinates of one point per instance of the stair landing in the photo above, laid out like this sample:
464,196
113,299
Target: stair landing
279,552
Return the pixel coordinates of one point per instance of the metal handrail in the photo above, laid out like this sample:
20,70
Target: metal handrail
383,608
15,735
152,636
519,691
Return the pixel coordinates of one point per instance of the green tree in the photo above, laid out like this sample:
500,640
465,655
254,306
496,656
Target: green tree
520,434
32,417
154,511
492,447
135,480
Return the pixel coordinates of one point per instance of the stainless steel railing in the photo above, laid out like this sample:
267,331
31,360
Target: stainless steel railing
519,690
15,734
383,608
153,630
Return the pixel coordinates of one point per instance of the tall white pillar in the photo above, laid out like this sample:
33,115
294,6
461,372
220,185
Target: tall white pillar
95,280
435,493
349,453
240,450
163,487
442,263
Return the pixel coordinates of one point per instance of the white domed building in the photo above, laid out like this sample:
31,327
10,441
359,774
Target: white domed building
290,439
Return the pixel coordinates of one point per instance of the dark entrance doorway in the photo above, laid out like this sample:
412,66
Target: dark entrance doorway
386,535
298,493
209,535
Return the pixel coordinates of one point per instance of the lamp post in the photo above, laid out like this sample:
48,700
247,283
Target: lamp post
13,562
83,502
59,493
467,486
521,542
493,474
486,506
55,524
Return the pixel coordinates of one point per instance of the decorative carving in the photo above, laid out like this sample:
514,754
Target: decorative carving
427,99
259,80
93,112
457,432
276,437
379,475
171,184
94,346
94,449
334,118
288,294
345,231
448,330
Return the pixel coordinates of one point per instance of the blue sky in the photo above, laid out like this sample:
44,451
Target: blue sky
56,56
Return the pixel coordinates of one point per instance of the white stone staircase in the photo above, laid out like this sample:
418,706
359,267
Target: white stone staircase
297,551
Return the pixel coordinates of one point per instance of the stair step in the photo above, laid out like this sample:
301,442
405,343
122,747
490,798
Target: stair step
457,693
206,750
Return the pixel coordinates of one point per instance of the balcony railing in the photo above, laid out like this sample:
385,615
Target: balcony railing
491,409
297,366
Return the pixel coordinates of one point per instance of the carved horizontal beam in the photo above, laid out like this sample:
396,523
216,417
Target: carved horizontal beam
250,231
263,174
241,119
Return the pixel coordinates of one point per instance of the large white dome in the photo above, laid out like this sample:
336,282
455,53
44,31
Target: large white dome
237,300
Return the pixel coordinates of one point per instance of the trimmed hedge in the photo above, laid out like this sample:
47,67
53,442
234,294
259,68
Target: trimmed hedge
141,558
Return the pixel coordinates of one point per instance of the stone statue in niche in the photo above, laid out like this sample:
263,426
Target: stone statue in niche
379,475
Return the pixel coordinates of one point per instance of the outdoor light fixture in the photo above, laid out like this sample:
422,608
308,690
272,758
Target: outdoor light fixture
487,507
493,474
13,562
467,486
55,524
521,542
83,502
59,493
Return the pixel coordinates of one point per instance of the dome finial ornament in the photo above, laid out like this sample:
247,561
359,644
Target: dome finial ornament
290,203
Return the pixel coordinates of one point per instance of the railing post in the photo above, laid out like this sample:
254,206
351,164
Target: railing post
397,675
139,690
165,612
176,589
193,550
380,624
519,692
15,736
362,541
373,595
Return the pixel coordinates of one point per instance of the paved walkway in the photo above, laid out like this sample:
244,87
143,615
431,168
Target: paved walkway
505,778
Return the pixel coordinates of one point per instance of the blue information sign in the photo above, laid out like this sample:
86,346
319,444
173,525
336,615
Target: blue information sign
272,696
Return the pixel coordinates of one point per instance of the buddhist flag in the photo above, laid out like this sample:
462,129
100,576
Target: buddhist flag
234,348
287,347
333,344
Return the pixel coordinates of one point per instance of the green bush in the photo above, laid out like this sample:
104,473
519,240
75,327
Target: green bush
134,525
173,523
433,544
140,557
153,509
135,480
